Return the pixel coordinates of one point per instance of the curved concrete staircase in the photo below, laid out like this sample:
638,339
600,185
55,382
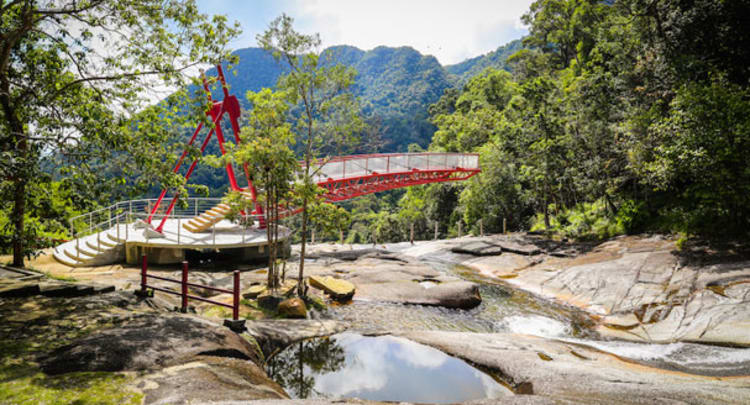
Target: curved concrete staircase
93,250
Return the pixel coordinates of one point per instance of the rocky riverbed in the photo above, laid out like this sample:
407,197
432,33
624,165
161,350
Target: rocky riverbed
630,320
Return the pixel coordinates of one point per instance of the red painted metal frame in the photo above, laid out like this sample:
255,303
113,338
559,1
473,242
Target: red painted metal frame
344,189
184,284
231,106
337,189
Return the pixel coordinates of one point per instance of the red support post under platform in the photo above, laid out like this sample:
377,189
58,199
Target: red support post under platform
184,286
236,296
144,270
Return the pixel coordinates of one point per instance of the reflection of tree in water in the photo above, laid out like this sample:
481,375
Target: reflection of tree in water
321,356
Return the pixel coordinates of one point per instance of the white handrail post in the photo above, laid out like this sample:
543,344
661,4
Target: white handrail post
195,206
98,240
127,219
117,223
436,229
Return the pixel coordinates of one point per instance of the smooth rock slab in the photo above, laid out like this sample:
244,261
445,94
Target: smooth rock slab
274,335
340,290
148,342
479,248
574,372
452,294
209,378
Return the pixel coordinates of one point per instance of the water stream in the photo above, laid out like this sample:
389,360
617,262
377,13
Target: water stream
382,368
386,368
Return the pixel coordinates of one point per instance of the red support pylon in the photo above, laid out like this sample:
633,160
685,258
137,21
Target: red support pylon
231,107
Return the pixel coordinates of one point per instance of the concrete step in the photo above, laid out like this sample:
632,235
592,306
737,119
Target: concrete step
190,228
102,244
88,250
64,259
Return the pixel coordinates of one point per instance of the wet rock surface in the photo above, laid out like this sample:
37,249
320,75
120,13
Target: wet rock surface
639,288
274,335
636,288
391,277
574,372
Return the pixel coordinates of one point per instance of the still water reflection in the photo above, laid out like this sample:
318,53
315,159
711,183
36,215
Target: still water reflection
383,368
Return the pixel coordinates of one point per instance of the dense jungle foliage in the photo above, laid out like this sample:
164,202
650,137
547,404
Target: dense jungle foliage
620,116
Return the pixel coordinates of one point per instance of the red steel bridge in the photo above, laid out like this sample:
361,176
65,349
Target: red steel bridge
343,177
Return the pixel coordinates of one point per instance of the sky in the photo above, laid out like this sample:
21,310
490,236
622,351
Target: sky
450,30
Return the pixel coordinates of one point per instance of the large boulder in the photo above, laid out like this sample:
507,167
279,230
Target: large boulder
149,341
293,308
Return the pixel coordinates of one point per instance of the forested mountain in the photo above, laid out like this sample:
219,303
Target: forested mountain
396,85
497,59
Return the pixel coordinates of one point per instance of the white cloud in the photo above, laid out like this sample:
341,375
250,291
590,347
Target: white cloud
450,30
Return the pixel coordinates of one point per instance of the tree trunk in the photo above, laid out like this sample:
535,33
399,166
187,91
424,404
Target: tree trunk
269,235
19,209
301,276
20,149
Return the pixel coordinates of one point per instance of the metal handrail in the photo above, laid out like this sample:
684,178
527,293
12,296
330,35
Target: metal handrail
128,209
390,163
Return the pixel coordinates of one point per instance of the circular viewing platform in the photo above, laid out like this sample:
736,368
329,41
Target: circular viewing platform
120,234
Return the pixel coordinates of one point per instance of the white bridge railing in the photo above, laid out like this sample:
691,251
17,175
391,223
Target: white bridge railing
366,165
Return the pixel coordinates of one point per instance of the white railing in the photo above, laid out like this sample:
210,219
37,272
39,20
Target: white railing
127,212
365,165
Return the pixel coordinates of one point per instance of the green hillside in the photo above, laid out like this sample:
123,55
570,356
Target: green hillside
462,72
396,85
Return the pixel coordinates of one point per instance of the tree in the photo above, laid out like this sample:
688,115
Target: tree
326,116
266,150
74,84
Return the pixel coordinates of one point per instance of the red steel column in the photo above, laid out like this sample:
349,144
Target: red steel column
236,296
184,286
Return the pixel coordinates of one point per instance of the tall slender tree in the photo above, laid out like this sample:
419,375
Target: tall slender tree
326,116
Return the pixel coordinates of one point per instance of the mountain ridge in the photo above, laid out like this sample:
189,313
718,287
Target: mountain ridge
395,84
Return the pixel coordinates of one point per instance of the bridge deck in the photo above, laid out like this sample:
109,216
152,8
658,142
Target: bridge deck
347,177
356,166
